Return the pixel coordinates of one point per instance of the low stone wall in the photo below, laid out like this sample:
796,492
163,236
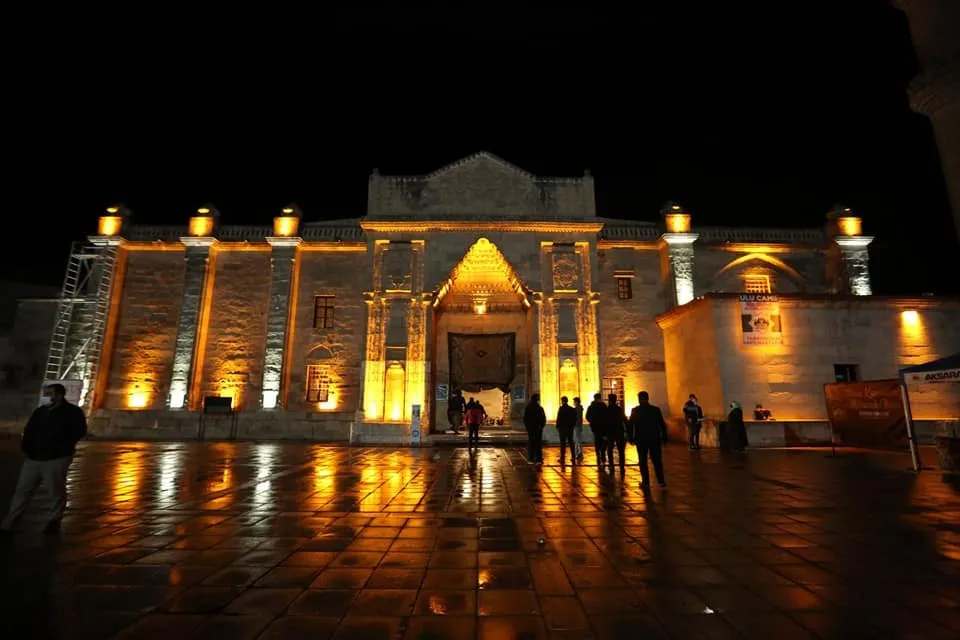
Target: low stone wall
391,433
185,425
783,433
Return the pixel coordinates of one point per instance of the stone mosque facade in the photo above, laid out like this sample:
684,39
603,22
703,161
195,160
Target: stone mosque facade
481,277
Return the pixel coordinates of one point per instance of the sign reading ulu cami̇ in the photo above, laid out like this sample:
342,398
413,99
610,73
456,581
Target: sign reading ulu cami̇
760,319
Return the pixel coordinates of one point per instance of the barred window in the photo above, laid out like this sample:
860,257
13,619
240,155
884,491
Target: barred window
614,386
756,284
323,312
318,383
624,289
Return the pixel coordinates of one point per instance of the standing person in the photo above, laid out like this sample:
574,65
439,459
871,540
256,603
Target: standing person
475,415
456,410
693,416
595,418
615,428
535,419
648,431
49,442
578,431
738,429
566,421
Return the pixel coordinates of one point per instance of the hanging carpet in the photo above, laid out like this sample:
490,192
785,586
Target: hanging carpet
479,362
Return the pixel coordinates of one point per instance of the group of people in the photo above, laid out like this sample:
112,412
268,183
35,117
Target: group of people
611,427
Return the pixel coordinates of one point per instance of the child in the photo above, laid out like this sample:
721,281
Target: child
475,416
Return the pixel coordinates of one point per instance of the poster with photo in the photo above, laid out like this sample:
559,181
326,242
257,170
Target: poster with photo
760,319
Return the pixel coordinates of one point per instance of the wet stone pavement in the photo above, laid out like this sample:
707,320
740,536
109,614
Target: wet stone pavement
229,541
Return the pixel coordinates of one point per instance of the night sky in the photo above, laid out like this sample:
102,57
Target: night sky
746,113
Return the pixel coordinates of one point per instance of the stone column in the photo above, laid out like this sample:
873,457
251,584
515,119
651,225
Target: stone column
935,92
856,263
680,255
194,284
195,279
283,263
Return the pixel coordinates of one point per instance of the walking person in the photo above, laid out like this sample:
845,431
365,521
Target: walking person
737,427
456,410
693,416
648,431
49,442
615,428
596,421
534,419
566,421
578,431
475,416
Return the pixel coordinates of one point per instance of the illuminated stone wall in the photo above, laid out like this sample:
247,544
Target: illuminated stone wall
791,271
630,343
236,328
146,332
692,366
817,334
340,274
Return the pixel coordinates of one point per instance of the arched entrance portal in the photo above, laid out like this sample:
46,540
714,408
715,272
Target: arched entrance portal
482,337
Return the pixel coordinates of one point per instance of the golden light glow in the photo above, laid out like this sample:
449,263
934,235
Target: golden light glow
286,226
201,226
109,225
113,209
482,274
288,211
138,399
226,391
195,401
549,385
678,222
569,380
203,211
776,262
910,318
394,392
127,475
850,226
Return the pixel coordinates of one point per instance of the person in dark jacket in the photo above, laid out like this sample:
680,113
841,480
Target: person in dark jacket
49,442
595,419
738,430
648,431
693,416
615,431
535,419
566,421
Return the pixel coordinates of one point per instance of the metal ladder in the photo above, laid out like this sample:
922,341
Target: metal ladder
86,291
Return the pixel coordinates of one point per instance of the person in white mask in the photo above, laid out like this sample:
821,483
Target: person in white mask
49,442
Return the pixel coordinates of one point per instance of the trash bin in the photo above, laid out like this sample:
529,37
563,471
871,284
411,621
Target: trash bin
947,439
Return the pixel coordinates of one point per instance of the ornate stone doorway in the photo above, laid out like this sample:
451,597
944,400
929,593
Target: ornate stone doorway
482,336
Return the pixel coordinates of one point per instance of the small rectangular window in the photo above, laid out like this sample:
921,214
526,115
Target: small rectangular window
756,284
624,288
612,385
318,383
323,312
846,372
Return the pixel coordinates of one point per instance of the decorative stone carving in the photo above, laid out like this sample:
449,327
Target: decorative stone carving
566,274
397,268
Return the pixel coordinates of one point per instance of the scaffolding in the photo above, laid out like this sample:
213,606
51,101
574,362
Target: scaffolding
81,319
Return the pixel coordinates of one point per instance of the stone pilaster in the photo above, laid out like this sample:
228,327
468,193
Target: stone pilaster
283,269
680,255
548,383
856,263
194,285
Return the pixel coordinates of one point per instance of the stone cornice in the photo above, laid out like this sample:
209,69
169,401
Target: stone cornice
205,241
505,226
473,158
853,242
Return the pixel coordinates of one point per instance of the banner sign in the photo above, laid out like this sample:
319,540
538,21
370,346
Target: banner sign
867,414
944,375
443,392
760,319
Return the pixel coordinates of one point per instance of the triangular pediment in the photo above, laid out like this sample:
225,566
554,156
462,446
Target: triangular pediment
482,160
482,279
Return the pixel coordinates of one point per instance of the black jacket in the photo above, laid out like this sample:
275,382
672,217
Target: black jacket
595,413
692,413
534,417
566,417
53,432
646,425
614,422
